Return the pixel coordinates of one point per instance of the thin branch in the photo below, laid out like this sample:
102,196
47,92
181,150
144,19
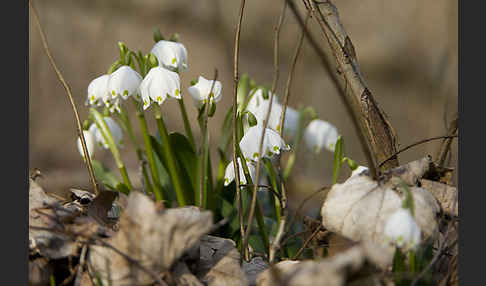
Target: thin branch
265,125
446,143
235,117
304,201
296,256
336,83
68,90
290,76
415,144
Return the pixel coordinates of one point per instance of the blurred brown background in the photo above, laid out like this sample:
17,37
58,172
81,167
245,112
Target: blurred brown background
407,51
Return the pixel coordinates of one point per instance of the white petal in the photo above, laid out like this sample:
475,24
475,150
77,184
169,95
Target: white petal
124,82
201,90
272,143
320,133
291,122
98,90
115,130
158,84
229,174
402,229
171,55
90,144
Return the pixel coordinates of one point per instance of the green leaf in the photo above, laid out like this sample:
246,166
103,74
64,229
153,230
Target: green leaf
107,178
338,159
157,35
243,89
152,60
226,131
212,108
251,118
186,158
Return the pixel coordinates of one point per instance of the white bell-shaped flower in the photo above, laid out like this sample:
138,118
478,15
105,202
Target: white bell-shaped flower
358,171
201,90
291,122
158,84
115,130
98,91
124,82
171,55
90,144
402,230
272,143
320,133
98,94
229,174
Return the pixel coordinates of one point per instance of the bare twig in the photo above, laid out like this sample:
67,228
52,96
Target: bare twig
235,117
68,90
337,85
265,124
296,256
290,76
304,201
446,143
413,145
82,261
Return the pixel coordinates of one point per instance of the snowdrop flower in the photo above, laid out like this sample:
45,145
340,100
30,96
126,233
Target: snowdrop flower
291,121
261,111
171,55
98,91
229,174
402,230
358,171
272,143
98,94
124,82
90,144
200,91
320,133
115,130
256,99
158,84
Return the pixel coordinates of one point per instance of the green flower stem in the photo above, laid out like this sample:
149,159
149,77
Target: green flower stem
150,155
126,124
108,138
289,166
412,263
187,126
273,181
258,210
171,162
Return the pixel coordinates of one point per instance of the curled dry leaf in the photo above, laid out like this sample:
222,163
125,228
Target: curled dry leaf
219,262
335,270
153,240
446,195
46,243
359,208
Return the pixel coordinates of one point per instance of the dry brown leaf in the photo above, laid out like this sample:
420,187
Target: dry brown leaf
183,276
39,272
359,208
46,243
446,195
154,239
219,262
332,271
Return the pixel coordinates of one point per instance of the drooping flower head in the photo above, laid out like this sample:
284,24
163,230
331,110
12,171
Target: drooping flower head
171,55
272,143
115,130
229,174
124,82
402,230
98,94
201,90
158,84
90,143
320,133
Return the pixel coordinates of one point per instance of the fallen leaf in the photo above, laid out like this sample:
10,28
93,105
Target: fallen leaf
446,195
155,240
359,208
219,263
333,271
